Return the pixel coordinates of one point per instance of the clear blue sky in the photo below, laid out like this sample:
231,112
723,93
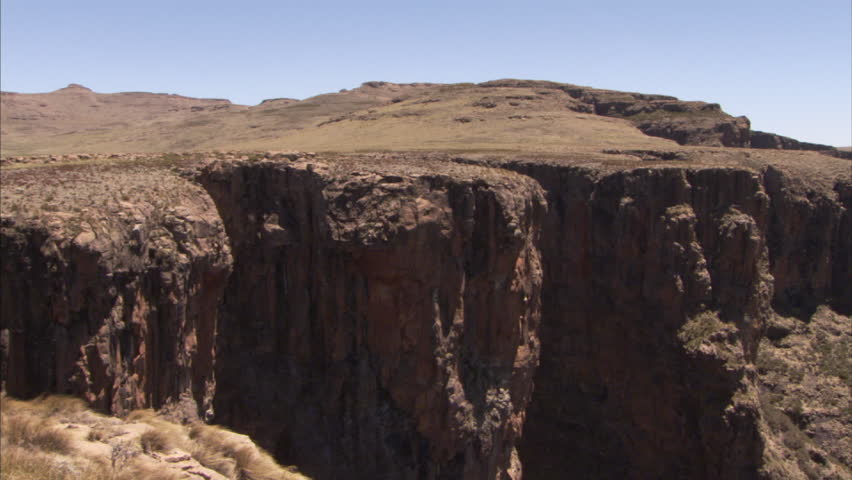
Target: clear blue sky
787,65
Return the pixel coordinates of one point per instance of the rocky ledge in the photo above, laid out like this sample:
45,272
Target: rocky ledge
617,315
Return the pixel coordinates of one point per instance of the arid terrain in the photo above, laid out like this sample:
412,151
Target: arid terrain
514,279
60,437
499,116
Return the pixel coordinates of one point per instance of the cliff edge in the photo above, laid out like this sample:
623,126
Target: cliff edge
632,313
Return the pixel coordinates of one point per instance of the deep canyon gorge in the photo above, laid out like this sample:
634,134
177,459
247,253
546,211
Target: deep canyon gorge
431,316
666,307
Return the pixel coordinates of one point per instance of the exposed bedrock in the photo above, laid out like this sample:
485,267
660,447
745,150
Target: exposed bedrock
686,122
778,142
656,291
411,317
380,322
810,240
115,304
658,286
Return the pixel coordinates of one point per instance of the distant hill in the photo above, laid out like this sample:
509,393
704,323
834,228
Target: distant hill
76,119
502,115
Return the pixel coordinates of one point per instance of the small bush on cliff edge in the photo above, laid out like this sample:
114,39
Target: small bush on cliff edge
699,328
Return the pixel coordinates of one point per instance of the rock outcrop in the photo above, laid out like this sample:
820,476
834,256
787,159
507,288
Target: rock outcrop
779,142
657,292
382,317
686,122
632,314
108,297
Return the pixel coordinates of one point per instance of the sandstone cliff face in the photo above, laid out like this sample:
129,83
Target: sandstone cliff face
810,243
657,292
381,322
658,288
116,302
385,316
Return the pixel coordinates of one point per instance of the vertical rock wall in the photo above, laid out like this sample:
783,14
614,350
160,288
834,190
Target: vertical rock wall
656,289
118,307
373,317
810,244
379,323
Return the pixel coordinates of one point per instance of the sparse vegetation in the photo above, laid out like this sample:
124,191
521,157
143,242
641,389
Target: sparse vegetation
835,356
230,454
156,441
699,328
118,197
423,121
53,437
792,437
35,445
768,362
35,432
804,396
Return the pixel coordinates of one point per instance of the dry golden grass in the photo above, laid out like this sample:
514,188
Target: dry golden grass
35,445
73,120
156,441
231,454
34,432
19,463
137,470
58,438
36,424
380,117
219,449
454,120
50,405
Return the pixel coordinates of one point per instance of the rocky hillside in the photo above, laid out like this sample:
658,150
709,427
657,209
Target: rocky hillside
497,116
626,312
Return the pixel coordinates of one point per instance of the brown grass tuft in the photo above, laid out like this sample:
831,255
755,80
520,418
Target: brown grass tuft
137,470
254,464
35,444
19,463
29,431
157,441
234,456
